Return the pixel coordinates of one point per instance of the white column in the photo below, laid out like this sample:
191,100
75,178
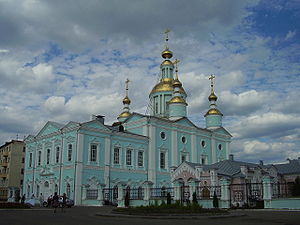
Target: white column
213,151
227,150
79,168
174,149
100,195
152,155
194,149
107,161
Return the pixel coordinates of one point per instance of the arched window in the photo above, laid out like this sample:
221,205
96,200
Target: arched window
46,184
48,156
28,191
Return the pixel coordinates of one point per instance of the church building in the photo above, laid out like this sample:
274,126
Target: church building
82,159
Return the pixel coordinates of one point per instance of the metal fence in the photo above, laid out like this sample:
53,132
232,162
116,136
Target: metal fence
207,192
161,193
282,190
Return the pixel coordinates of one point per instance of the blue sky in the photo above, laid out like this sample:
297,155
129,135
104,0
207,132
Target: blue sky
66,60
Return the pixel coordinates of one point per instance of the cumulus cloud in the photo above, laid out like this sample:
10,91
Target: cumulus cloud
290,35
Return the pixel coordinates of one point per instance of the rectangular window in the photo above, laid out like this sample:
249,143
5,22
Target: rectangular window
23,160
162,160
22,171
70,152
30,160
92,194
183,158
116,155
57,155
39,157
48,156
93,153
141,158
129,157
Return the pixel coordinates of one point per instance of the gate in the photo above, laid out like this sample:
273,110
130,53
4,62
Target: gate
110,196
246,195
184,193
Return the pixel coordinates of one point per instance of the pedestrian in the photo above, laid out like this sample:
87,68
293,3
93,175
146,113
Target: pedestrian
64,201
49,201
55,202
41,200
23,199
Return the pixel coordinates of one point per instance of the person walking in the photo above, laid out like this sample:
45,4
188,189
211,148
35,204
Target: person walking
55,201
41,200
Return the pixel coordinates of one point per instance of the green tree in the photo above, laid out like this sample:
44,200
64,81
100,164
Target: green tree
127,199
168,198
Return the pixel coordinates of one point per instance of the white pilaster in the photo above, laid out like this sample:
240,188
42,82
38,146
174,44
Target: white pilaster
107,161
79,168
152,155
174,150
194,149
213,151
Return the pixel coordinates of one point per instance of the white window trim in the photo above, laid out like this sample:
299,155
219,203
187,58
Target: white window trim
97,153
132,157
166,160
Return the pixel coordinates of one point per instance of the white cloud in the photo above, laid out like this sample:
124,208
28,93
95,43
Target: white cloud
4,51
290,35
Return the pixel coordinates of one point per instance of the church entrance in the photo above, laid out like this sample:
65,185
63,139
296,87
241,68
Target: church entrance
46,190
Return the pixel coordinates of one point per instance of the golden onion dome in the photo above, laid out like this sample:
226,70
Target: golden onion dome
213,111
166,85
124,115
177,83
167,54
212,97
126,100
177,99
166,62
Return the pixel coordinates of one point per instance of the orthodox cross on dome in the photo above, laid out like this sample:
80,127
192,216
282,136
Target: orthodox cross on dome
176,67
167,31
126,83
211,78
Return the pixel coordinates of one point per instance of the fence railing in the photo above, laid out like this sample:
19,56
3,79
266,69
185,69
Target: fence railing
282,190
161,193
207,192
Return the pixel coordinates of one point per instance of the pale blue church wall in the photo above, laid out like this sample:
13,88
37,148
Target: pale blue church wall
163,179
184,148
213,120
129,177
221,153
177,109
203,151
94,138
89,173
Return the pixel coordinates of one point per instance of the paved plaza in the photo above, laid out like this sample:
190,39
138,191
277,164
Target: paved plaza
88,216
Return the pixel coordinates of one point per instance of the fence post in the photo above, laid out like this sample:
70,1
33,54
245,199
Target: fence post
121,196
100,194
147,185
176,186
267,191
225,193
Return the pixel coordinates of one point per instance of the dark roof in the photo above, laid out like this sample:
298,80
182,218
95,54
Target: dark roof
293,167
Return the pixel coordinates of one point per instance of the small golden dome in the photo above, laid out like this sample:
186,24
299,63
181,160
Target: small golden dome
124,115
167,54
167,62
166,85
177,83
126,100
213,111
177,99
212,97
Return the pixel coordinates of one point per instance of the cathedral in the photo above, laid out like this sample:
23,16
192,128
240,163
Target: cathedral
82,159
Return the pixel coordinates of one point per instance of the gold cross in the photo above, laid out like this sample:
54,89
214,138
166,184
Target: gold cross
211,78
126,82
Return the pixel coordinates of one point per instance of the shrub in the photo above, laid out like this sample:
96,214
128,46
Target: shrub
195,198
127,199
